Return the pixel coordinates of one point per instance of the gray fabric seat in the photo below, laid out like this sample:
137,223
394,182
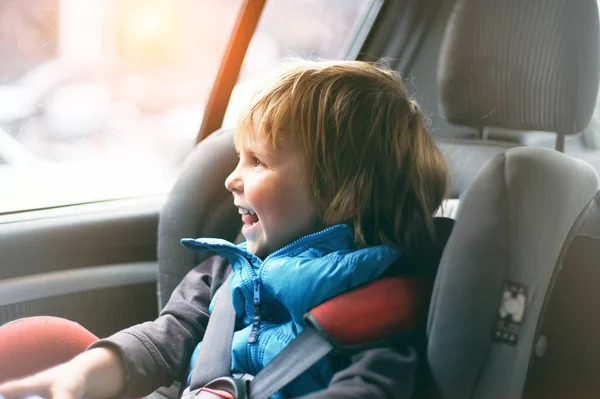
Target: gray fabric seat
466,158
514,222
515,66
198,205
524,243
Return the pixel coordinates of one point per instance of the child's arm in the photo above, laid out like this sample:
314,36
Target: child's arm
157,353
135,361
376,373
98,373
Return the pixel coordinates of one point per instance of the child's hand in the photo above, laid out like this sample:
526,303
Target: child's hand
60,382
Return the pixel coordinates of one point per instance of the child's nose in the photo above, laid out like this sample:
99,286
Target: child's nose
234,182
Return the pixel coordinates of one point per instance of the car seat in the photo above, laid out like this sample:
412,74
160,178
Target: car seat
512,312
199,205
514,66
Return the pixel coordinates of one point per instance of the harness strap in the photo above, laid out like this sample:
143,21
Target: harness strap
214,358
304,351
327,327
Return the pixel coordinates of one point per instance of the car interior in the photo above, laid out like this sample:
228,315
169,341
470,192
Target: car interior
510,89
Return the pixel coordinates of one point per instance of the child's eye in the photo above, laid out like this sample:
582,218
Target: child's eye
257,162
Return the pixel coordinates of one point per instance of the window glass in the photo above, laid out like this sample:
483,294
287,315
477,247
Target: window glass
314,29
103,99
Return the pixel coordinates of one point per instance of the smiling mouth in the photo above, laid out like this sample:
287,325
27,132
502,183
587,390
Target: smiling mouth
248,226
249,218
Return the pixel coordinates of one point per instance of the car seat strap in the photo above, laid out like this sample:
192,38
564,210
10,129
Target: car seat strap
329,326
214,358
304,351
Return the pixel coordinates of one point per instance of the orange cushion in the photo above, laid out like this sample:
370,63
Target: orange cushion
32,344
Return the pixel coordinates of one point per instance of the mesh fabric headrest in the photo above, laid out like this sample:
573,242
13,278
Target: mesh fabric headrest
520,64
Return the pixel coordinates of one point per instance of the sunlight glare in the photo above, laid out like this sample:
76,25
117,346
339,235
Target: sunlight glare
152,24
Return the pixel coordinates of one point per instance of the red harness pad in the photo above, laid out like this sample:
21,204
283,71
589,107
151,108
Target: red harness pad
373,312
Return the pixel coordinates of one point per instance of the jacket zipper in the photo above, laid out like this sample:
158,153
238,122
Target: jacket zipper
256,318
253,338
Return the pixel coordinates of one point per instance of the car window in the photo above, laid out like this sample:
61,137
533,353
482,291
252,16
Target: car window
103,99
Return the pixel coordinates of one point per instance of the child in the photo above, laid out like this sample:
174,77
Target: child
337,182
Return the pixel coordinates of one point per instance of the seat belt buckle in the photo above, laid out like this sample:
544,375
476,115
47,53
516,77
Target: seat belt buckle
221,388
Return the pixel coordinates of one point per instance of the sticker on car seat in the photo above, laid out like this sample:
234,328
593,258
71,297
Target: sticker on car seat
511,313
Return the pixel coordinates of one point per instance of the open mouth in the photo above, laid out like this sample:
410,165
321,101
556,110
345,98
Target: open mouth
249,218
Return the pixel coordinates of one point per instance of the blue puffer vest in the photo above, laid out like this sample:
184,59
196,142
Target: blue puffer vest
286,285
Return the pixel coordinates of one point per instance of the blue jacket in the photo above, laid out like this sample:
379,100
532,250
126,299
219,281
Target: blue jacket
287,284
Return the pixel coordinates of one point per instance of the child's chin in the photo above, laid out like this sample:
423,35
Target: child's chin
256,249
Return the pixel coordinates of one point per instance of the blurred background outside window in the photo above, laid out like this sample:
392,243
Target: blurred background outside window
103,99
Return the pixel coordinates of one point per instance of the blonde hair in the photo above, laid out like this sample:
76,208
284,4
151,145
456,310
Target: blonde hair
371,162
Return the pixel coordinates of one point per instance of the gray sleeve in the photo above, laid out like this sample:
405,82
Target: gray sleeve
385,373
156,353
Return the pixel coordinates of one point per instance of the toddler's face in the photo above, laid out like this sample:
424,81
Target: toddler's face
271,191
